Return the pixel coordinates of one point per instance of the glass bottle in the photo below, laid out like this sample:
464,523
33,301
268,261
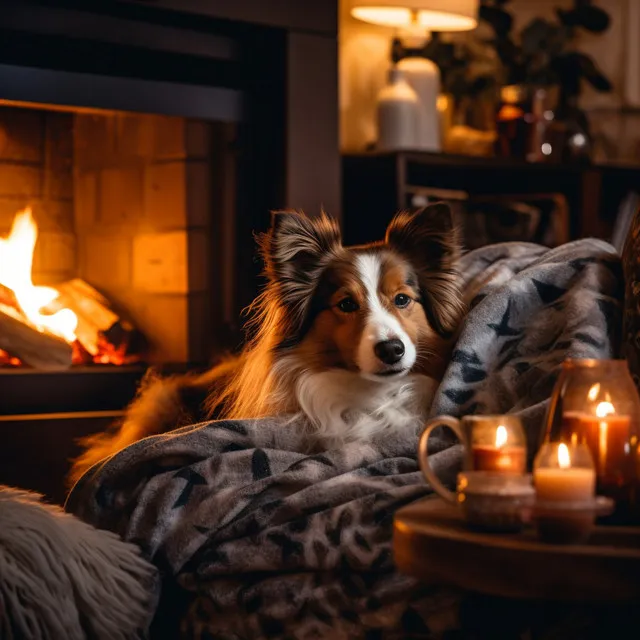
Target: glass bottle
512,128
595,402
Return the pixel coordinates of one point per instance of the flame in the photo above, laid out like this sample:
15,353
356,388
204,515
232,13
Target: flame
16,261
604,409
564,459
594,391
501,436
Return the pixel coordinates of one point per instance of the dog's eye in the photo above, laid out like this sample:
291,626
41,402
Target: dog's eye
402,300
348,305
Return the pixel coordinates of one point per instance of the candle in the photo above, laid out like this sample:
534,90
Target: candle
564,482
605,433
500,457
564,479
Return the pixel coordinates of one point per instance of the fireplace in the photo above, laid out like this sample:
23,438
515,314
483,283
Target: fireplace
125,212
148,142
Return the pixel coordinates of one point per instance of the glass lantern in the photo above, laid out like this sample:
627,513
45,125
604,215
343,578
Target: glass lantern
595,402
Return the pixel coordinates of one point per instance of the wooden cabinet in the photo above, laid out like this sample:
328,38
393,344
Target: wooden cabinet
378,185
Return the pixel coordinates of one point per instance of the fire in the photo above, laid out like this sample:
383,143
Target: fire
501,437
16,261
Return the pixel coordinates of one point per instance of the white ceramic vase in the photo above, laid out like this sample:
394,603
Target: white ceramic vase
397,112
424,77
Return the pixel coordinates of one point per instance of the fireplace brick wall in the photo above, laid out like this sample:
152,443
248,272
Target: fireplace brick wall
36,169
143,206
123,201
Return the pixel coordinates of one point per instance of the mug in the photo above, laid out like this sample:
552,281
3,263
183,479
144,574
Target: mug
492,443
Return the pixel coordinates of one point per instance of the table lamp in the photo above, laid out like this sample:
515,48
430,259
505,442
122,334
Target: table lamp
414,19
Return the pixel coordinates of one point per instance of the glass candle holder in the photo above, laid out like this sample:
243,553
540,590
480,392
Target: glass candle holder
492,444
596,404
565,482
496,443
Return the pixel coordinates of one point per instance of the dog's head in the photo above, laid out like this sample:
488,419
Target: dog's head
383,309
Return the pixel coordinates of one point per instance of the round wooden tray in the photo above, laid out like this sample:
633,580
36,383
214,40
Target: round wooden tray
431,542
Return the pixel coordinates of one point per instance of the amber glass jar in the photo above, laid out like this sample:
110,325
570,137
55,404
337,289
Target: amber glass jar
595,402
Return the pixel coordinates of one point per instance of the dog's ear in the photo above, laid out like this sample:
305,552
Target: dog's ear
296,250
429,240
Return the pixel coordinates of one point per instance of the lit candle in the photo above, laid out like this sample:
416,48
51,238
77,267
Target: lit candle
564,482
501,457
605,433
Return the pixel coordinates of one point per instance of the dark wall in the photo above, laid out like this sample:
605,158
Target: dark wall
320,16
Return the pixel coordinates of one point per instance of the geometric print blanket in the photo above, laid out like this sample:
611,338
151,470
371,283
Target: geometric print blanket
255,541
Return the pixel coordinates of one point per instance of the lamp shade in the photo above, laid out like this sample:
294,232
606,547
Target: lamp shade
432,15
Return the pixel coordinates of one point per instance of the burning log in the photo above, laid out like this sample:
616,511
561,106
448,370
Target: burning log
53,327
8,298
104,336
33,348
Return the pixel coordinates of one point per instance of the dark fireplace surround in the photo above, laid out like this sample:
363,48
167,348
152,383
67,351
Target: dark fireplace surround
258,83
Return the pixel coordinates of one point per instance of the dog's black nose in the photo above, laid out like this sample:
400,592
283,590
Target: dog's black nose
389,351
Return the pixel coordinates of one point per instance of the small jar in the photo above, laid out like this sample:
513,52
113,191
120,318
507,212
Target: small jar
565,482
596,403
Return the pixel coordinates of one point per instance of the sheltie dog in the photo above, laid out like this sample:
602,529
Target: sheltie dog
348,341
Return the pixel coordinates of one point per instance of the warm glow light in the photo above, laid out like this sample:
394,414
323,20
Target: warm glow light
431,15
384,16
594,391
16,261
564,459
443,21
604,409
501,436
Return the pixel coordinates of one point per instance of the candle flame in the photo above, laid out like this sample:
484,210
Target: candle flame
594,391
564,459
604,409
501,436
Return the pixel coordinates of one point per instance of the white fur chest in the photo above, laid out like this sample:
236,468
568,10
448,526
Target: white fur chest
341,406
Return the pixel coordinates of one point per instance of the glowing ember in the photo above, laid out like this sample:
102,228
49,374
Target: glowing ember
16,260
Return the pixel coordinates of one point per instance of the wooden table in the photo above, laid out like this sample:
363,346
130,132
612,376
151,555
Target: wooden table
432,543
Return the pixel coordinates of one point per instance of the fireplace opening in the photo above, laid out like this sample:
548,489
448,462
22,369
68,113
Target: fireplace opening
107,221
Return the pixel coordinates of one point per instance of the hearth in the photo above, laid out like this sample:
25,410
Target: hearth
144,144
121,211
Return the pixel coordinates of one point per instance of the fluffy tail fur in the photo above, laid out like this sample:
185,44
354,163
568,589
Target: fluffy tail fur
161,404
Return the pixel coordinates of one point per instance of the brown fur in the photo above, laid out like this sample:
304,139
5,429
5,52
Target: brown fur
309,272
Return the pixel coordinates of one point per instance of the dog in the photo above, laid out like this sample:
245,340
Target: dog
349,341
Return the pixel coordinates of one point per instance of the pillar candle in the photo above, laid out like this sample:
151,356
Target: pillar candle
564,483
606,435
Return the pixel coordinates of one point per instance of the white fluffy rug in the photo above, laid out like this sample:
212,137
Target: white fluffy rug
62,579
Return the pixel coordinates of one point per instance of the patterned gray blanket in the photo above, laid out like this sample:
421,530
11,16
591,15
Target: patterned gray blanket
264,542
